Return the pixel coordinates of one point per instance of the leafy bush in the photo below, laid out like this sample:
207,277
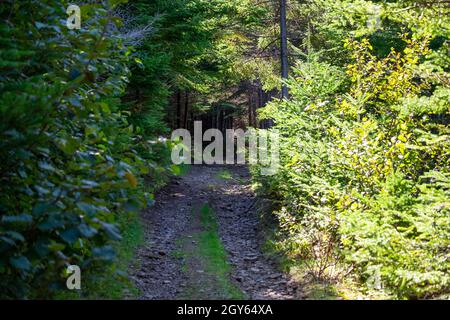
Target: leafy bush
364,183
67,166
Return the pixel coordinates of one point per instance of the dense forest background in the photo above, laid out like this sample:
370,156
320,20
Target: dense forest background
361,200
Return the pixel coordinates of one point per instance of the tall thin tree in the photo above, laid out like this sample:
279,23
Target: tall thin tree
284,53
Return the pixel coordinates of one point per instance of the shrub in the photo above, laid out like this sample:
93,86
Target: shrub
364,183
67,168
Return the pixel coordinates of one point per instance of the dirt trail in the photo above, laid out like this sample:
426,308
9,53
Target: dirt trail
202,241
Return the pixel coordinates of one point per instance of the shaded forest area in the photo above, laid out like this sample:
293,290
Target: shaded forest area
358,90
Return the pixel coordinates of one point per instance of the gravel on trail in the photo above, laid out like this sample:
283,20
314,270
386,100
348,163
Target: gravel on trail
160,272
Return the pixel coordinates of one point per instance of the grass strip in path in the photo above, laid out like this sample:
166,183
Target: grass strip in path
206,253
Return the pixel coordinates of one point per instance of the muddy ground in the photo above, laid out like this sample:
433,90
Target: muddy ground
203,241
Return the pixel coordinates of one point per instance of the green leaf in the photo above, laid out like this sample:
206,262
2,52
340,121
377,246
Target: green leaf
54,221
87,231
70,236
68,146
15,235
21,263
40,208
42,248
46,166
75,102
176,170
106,253
21,218
55,246
88,209
8,240
112,231
40,25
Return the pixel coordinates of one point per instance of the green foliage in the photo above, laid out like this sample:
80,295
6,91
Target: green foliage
364,183
112,282
68,167
188,50
224,175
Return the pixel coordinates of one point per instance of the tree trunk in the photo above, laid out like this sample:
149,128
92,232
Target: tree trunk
178,109
186,110
284,55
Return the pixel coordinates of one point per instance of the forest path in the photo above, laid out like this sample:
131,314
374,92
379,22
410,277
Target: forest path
202,241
